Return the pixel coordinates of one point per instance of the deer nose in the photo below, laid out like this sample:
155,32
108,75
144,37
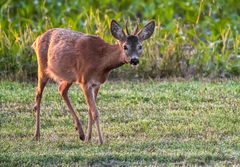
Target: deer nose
134,61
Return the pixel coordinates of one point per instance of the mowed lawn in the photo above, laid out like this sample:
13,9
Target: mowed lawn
144,123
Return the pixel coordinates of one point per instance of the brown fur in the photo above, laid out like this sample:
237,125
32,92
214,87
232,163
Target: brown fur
70,57
65,55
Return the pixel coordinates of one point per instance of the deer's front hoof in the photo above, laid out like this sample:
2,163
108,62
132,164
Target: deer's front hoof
81,133
82,137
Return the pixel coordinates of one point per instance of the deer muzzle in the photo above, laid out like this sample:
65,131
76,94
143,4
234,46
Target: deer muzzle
134,61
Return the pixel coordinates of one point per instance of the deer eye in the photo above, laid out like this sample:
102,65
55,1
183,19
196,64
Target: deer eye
140,47
125,47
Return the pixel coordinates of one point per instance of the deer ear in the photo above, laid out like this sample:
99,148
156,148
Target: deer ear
117,31
147,31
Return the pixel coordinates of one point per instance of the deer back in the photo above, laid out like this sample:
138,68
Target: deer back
69,55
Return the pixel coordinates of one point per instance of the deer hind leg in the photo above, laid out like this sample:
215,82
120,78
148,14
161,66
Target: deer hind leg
89,128
63,89
90,99
42,80
90,118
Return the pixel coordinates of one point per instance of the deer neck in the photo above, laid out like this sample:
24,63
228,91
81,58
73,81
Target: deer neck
115,57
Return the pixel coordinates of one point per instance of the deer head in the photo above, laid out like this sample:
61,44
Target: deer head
132,44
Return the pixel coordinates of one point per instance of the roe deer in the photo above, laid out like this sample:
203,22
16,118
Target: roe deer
70,57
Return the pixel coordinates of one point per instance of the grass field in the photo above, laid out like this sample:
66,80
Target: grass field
144,123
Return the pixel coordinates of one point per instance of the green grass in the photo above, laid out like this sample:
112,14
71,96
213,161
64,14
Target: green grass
144,123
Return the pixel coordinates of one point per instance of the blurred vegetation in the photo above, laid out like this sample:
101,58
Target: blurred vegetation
193,38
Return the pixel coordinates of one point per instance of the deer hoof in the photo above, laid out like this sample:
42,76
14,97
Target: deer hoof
82,137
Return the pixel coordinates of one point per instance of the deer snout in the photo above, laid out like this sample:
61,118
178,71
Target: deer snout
134,61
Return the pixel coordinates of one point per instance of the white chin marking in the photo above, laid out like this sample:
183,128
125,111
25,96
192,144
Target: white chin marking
134,66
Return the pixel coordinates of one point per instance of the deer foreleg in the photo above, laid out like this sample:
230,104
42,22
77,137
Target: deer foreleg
90,93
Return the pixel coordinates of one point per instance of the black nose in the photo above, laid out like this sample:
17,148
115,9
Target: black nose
134,61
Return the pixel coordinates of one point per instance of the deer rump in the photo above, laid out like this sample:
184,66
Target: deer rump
67,52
